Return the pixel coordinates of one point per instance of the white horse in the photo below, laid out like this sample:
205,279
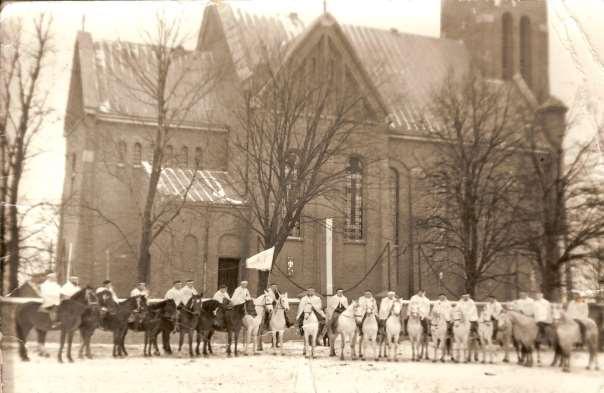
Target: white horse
389,344
485,335
438,327
461,335
252,324
310,326
417,336
346,329
277,323
370,331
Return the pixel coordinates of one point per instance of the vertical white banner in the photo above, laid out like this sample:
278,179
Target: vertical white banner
328,256
69,262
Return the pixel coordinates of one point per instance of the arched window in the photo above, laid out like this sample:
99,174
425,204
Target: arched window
507,46
525,49
395,204
190,253
121,151
198,157
137,154
184,156
169,154
353,225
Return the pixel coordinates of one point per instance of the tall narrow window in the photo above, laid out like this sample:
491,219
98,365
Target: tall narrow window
198,157
184,157
525,49
169,154
353,225
507,46
395,204
137,154
121,152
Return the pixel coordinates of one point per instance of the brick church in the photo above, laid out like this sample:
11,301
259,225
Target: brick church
507,39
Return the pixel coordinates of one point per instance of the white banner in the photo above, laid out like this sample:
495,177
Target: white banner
261,261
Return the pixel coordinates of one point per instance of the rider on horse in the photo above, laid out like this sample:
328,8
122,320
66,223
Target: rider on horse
70,288
366,302
51,297
138,314
385,308
335,306
422,303
274,294
221,296
315,302
469,311
493,309
442,308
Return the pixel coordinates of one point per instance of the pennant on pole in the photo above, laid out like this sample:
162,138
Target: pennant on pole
261,261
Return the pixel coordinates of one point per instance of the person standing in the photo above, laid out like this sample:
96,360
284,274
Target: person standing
51,297
314,301
188,291
70,288
422,303
577,308
469,311
385,308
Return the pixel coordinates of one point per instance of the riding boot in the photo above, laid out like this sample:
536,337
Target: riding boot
495,326
288,324
177,325
300,322
361,325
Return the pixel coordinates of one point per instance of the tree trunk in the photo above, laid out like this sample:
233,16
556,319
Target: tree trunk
550,284
13,247
144,256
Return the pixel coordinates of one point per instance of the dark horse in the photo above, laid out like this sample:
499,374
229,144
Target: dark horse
206,325
116,319
69,315
153,323
189,320
233,318
91,320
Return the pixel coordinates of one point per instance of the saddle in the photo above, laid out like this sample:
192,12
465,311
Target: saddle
582,329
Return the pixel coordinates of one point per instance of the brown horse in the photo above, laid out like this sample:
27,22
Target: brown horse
188,321
91,320
205,326
69,315
523,333
567,333
116,320
233,318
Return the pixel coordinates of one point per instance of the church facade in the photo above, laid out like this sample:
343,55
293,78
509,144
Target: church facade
374,245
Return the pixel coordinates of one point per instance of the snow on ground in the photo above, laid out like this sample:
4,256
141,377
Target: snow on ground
290,373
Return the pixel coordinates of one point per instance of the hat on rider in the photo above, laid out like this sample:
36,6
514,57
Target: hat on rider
105,282
391,293
188,281
222,286
244,281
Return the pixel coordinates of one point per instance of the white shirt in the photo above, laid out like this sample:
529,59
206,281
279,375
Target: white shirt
525,306
578,310
333,302
366,303
543,311
385,307
174,294
422,303
138,292
113,295
492,309
69,289
51,293
219,296
187,293
443,309
240,296
314,300
468,309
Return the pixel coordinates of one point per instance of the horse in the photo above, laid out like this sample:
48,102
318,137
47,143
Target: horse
277,322
394,324
91,320
205,325
369,328
252,324
343,325
461,336
523,333
417,336
117,321
69,314
568,332
188,321
485,335
504,336
233,322
153,323
310,326
438,328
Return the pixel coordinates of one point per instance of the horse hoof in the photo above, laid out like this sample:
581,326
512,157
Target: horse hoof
70,360
442,360
342,358
506,360
483,362
566,370
434,361
25,359
332,355
89,356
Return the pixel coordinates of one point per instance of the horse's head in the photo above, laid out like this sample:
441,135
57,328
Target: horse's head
210,305
557,312
140,303
413,311
283,302
168,310
250,308
397,307
194,305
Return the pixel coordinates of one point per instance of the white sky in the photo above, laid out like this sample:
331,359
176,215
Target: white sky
576,50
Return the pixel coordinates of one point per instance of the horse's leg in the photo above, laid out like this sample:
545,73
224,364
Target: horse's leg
22,333
82,344
165,338
190,337
123,342
42,343
69,342
237,341
62,343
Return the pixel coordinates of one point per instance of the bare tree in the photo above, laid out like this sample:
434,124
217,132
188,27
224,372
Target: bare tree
470,186
298,122
564,225
23,112
170,87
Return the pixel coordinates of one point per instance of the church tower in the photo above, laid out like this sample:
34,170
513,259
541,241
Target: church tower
504,38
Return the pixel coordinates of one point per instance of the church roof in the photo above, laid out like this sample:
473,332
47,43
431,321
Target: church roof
199,185
110,86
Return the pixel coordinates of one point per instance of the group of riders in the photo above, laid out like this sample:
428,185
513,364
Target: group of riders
538,308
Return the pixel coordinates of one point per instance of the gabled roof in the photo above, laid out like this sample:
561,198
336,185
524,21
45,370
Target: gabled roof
214,187
109,87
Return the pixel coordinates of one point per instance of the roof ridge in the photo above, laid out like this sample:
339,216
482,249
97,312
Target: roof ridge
395,31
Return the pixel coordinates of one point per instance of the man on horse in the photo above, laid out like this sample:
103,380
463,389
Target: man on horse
524,304
422,303
543,315
140,290
469,311
442,307
385,308
493,309
70,288
577,308
222,297
274,294
188,291
175,293
108,286
335,306
366,302
316,304
51,297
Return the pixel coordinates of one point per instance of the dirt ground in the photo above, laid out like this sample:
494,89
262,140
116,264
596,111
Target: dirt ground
289,373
